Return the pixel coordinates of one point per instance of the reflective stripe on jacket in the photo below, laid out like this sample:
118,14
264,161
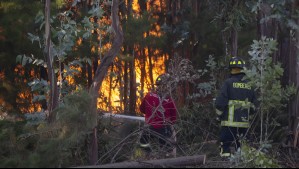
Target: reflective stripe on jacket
235,100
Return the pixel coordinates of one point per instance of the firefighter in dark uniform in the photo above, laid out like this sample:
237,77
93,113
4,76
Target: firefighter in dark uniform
233,104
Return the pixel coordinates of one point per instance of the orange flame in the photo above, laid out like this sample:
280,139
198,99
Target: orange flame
110,91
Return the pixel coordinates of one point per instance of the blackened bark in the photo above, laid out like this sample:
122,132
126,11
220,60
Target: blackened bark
133,87
126,83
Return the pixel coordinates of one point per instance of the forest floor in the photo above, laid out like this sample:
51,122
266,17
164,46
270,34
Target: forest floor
284,157
213,159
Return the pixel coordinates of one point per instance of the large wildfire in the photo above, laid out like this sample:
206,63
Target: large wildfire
110,92
158,67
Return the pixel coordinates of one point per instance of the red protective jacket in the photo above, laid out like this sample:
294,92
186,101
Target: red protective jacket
158,114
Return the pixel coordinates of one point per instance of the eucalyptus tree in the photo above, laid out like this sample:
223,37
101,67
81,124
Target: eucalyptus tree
232,16
59,44
279,20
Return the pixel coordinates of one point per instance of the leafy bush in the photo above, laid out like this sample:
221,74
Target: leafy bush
39,144
251,157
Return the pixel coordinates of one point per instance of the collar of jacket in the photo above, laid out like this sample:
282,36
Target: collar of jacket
237,75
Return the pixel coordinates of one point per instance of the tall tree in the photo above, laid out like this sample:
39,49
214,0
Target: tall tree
132,74
294,78
100,75
53,100
279,28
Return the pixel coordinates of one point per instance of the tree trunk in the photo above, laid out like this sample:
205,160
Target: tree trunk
294,79
44,76
126,82
151,76
53,98
133,87
127,65
234,42
267,28
143,5
143,70
110,90
100,75
89,75
129,2
121,84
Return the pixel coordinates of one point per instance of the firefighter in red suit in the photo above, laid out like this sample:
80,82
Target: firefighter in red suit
160,114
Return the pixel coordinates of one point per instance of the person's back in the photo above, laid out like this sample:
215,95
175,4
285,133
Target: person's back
233,105
235,92
160,114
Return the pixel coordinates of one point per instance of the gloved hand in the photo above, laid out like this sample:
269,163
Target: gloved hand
219,112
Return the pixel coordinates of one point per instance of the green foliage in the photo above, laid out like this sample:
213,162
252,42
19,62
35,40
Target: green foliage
280,11
206,87
65,32
75,113
135,29
38,144
17,18
196,124
11,152
265,76
250,157
118,139
197,121
235,15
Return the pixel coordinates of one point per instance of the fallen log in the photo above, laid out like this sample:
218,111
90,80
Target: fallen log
168,162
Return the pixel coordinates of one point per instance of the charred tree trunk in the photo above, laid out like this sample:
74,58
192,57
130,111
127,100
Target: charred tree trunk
121,84
143,70
110,89
151,68
143,5
100,75
126,99
129,2
133,88
126,83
